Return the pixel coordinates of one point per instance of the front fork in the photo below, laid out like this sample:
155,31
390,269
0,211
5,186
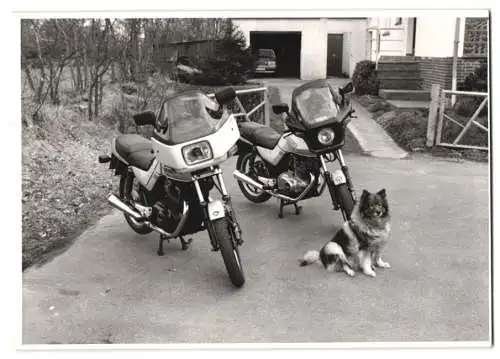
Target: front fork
227,211
329,181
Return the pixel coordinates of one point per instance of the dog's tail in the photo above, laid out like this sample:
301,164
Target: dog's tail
309,258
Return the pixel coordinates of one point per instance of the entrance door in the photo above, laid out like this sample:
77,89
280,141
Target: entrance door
334,55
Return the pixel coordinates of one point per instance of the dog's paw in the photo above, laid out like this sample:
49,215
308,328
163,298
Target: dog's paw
349,271
382,264
369,272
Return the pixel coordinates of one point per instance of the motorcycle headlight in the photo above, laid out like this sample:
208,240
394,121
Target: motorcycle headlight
326,136
197,152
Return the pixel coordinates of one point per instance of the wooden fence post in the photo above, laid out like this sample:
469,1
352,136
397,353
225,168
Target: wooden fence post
433,113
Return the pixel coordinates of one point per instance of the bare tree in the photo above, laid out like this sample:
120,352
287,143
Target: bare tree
100,60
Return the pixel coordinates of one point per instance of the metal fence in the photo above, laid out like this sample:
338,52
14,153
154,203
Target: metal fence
254,110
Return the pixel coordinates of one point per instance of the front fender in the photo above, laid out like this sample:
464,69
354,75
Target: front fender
216,210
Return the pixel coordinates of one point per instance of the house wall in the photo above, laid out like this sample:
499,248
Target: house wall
467,65
439,70
435,36
393,36
409,28
314,35
436,70
355,36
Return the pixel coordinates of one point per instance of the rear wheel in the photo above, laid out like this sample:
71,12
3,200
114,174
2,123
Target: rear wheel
128,184
345,200
230,253
246,164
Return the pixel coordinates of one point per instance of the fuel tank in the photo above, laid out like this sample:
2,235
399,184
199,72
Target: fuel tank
288,143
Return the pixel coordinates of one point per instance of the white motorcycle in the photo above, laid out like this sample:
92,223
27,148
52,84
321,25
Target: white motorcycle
292,166
165,182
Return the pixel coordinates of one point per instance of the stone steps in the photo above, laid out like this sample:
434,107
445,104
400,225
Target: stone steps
398,73
401,83
407,95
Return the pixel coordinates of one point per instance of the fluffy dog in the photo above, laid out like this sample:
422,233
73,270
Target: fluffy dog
358,244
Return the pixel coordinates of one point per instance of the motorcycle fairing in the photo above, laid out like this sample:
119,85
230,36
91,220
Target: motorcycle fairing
220,143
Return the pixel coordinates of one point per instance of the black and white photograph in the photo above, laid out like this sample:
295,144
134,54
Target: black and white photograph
266,179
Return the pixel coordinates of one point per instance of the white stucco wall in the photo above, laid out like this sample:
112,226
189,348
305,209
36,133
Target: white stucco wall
355,34
314,34
395,37
435,36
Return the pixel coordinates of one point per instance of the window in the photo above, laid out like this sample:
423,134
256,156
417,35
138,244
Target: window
476,37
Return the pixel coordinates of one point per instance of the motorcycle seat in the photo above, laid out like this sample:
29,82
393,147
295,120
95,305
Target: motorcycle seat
136,150
259,135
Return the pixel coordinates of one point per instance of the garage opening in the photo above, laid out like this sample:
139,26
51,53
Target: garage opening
286,46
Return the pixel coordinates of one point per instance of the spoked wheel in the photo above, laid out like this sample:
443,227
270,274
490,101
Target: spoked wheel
244,165
129,185
230,253
345,201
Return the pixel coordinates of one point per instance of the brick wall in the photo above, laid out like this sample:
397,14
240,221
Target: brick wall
467,65
436,70
399,58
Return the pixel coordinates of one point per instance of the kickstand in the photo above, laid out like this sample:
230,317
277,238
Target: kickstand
185,243
283,203
160,245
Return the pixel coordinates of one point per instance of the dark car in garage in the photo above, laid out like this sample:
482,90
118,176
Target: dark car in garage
266,62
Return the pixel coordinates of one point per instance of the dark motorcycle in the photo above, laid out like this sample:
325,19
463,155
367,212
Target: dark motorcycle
292,166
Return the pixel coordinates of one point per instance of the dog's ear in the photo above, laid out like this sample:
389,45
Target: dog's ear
382,193
364,195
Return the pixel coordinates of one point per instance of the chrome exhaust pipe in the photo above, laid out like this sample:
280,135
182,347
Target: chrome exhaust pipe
244,178
118,204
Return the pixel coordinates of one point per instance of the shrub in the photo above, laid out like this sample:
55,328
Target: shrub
475,81
365,78
231,63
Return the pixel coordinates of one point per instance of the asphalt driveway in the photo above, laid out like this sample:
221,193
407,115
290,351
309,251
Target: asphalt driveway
110,287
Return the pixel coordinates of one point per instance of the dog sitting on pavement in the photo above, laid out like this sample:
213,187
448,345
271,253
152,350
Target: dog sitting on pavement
358,244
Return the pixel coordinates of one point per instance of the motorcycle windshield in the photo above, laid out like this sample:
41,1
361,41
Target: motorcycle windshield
189,116
316,105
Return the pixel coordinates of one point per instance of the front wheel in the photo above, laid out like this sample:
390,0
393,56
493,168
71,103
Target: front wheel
345,200
230,254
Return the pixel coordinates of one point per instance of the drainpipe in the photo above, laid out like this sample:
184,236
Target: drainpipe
455,60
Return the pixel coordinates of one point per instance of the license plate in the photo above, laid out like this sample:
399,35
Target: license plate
338,177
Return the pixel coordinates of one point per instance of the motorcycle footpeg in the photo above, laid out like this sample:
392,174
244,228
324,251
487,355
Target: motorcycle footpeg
104,158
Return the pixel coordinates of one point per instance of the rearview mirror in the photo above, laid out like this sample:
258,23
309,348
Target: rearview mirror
346,89
144,118
280,108
225,96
